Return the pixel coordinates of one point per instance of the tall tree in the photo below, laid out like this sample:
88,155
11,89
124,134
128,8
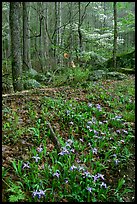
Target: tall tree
71,28
15,46
79,27
115,36
26,41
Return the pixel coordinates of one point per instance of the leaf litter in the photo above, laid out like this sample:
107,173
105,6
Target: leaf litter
17,108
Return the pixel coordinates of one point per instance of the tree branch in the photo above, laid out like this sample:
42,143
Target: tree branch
82,18
54,138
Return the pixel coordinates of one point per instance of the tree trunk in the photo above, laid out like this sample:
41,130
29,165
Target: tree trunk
42,37
59,31
15,46
26,55
71,31
79,31
115,36
47,43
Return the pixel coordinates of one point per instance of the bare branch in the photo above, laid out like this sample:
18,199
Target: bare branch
83,16
54,138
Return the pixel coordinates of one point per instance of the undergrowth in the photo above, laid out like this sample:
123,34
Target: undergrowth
95,131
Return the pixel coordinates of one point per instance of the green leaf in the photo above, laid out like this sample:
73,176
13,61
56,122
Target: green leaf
120,183
15,198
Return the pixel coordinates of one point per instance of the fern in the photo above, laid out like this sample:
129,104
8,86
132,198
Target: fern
17,193
17,197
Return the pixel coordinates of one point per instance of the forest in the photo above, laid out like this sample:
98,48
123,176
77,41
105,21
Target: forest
68,101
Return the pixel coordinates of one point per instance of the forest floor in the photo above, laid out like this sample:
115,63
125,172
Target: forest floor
108,107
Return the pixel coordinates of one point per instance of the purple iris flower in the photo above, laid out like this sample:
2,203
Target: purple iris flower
103,184
38,193
125,131
89,104
26,165
89,189
39,149
89,122
101,176
36,158
98,107
116,161
95,178
95,132
56,174
94,150
118,131
73,167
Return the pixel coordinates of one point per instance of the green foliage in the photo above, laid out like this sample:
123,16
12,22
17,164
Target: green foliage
123,60
71,76
4,172
31,84
17,167
93,135
129,116
17,193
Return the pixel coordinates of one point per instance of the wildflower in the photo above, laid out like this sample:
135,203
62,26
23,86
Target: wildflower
39,149
61,153
81,140
35,193
36,158
100,123
98,107
122,141
103,184
56,174
72,150
78,161
66,180
114,155
94,150
81,168
67,145
67,112
39,194
116,161
103,133
125,131
101,176
97,137
26,165
88,127
118,117
89,189
95,132
73,167
93,120
118,131
89,104
86,174
69,141
89,122
65,151
95,178
71,123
